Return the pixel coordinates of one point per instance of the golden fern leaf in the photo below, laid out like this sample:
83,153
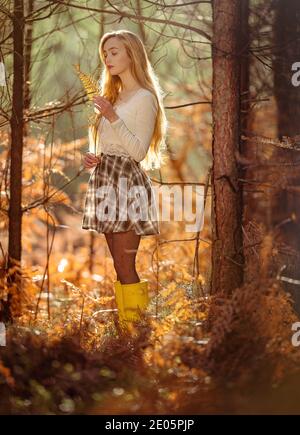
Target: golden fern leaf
88,82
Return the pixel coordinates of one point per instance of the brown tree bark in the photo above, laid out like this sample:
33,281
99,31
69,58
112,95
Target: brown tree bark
227,255
16,122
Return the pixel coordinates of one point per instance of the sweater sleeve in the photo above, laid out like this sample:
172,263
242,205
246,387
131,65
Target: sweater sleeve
138,143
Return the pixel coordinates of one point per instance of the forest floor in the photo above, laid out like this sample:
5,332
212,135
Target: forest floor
80,361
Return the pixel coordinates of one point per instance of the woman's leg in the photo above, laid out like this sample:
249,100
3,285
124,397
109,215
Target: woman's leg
125,247
109,240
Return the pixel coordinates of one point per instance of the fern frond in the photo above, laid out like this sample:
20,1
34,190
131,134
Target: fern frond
89,83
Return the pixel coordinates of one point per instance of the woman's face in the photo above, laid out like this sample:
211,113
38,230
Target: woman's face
115,55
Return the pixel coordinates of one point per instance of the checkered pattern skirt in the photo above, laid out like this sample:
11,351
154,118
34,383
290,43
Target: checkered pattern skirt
120,197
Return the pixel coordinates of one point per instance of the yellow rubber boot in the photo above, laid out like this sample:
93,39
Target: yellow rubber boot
135,297
119,299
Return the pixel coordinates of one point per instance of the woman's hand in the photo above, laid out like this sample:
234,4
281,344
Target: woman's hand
105,107
90,160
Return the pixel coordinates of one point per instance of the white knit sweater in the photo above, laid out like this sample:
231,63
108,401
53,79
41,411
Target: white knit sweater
131,134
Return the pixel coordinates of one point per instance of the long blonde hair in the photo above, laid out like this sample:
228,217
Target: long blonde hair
142,71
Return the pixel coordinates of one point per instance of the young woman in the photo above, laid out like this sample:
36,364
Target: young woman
128,136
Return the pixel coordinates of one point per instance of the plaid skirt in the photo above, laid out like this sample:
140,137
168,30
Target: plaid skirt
120,197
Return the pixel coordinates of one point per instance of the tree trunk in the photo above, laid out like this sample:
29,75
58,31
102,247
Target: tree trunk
227,255
16,122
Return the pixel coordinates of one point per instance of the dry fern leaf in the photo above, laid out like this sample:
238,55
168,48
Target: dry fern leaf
89,83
